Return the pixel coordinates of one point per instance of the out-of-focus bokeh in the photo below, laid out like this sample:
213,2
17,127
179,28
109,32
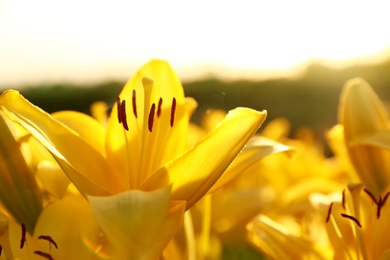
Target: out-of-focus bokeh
289,57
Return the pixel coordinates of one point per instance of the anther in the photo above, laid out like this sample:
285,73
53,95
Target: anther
343,199
329,212
385,198
351,218
118,106
43,254
134,102
123,115
173,110
159,107
49,239
151,117
1,249
369,193
381,204
23,239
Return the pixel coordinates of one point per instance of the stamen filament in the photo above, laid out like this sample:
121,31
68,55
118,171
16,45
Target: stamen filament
118,106
343,199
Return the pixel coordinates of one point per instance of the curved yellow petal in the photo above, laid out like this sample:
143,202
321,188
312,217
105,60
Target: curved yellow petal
72,227
52,178
258,147
363,115
361,112
138,224
279,242
86,127
195,172
18,188
85,166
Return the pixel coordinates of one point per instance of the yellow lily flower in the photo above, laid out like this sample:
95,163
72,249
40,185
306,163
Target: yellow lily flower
357,224
140,159
57,235
366,129
290,227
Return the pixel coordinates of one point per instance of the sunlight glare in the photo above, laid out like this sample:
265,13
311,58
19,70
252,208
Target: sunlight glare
75,40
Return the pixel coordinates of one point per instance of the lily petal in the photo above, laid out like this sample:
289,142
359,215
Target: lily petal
363,115
87,168
258,147
18,188
86,127
138,224
75,237
196,171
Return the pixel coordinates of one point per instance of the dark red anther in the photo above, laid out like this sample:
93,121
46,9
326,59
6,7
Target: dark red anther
329,212
49,239
134,102
381,204
351,218
1,249
118,106
369,193
23,239
343,199
159,107
123,115
43,254
173,110
151,117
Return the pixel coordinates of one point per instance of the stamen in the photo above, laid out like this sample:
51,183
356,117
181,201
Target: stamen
385,198
123,115
118,106
48,238
343,199
173,110
23,239
134,104
159,107
369,193
379,207
329,212
381,204
1,249
351,218
151,117
43,254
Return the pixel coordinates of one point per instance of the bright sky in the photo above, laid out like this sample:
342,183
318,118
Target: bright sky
90,40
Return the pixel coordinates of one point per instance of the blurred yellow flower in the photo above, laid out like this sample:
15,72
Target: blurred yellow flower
366,129
136,173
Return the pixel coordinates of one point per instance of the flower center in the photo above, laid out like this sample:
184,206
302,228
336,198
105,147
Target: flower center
153,114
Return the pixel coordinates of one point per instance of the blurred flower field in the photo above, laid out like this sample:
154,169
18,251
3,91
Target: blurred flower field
289,169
